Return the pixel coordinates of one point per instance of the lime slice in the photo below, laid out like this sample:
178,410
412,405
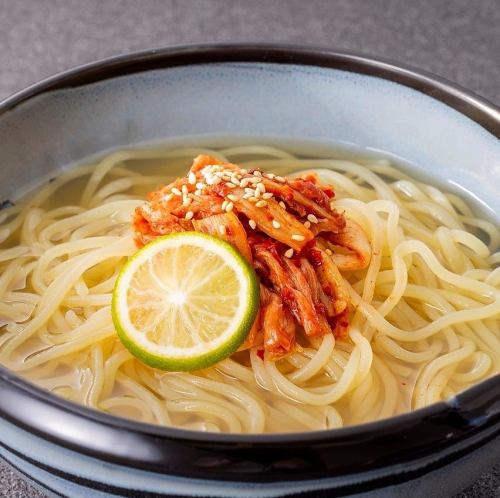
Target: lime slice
185,301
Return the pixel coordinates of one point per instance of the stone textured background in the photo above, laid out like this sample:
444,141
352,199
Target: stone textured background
456,39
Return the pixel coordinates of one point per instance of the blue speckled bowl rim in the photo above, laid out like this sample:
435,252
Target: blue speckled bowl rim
427,431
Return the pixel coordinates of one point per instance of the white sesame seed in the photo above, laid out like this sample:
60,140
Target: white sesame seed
176,191
167,197
220,174
244,182
249,191
229,207
222,230
197,192
214,180
189,215
224,204
191,178
184,189
186,201
252,224
271,175
200,185
261,187
260,204
289,253
280,179
230,185
247,196
307,224
276,224
329,252
254,179
257,193
267,195
282,204
232,197
257,173
253,199
243,170
312,218
298,237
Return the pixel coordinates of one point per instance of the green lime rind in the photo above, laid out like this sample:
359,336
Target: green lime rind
209,358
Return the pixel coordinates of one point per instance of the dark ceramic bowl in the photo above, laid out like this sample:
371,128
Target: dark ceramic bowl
248,90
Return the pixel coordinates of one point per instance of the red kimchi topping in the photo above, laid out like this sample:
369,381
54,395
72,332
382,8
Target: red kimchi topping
285,227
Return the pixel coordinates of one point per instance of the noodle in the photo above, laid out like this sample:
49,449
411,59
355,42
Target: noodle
426,324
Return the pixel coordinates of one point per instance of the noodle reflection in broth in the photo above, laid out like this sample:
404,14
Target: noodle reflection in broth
427,309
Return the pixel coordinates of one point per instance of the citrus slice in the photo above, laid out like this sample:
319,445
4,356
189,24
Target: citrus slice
185,301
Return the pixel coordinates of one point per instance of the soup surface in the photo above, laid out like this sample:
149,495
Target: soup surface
423,312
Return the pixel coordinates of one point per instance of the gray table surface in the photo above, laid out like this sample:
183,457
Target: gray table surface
459,40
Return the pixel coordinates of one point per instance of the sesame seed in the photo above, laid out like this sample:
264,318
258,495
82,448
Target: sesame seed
267,195
184,189
289,253
222,230
243,170
261,187
254,179
200,185
192,178
230,185
280,179
276,224
247,196
252,224
257,193
282,204
257,173
189,215
253,199
233,197
307,224
271,175
224,204
220,174
186,201
329,252
214,180
197,192
167,197
298,237
176,191
312,218
244,182
229,207
260,204
249,191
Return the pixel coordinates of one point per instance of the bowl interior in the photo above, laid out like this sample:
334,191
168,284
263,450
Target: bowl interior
253,101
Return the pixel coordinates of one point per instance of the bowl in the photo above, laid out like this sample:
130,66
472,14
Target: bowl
250,91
